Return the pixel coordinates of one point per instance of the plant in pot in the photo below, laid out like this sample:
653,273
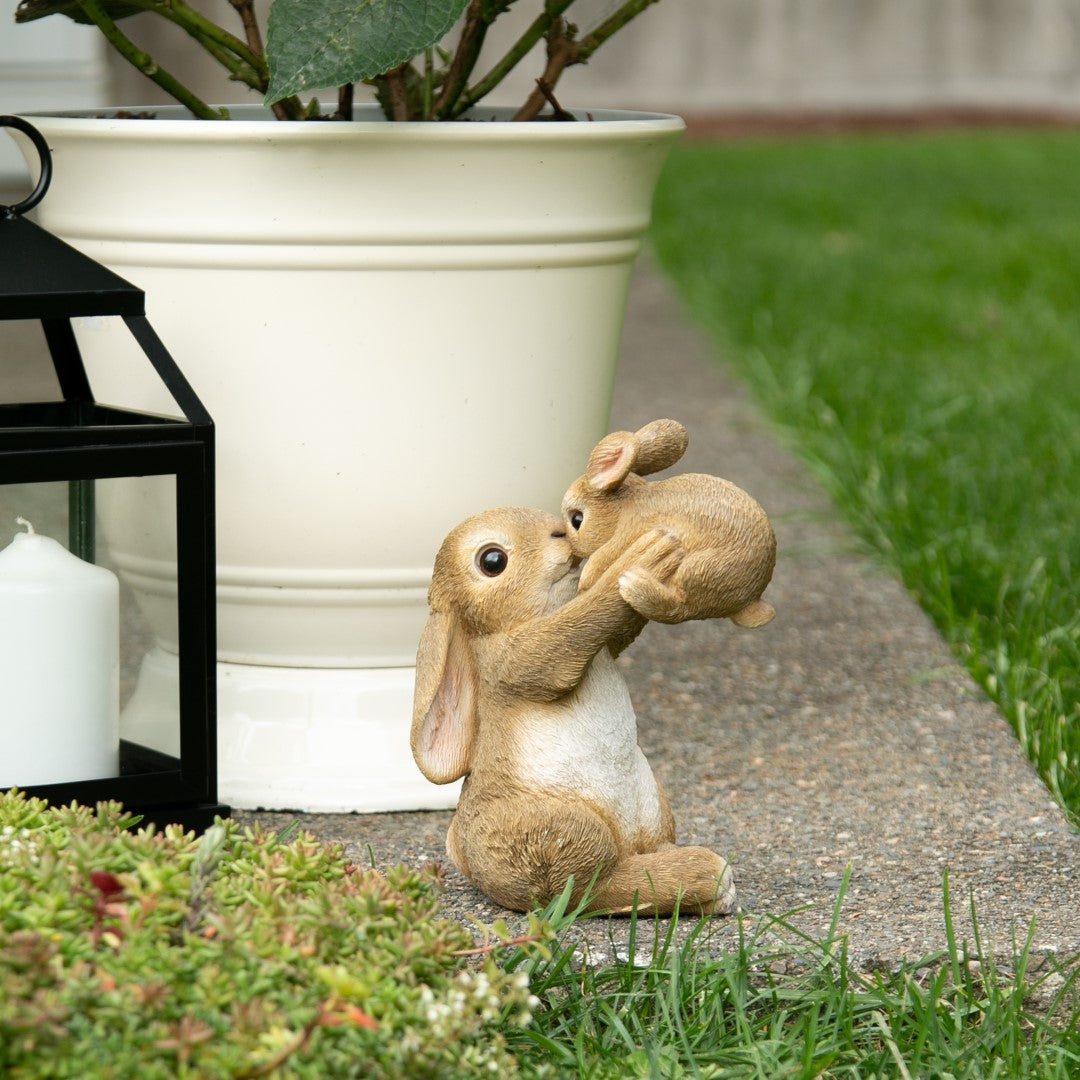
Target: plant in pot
394,324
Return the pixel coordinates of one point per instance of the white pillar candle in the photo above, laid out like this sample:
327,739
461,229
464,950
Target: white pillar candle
59,665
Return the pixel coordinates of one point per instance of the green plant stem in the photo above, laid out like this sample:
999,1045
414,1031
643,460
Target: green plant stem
204,31
224,47
612,24
427,87
146,64
244,61
536,30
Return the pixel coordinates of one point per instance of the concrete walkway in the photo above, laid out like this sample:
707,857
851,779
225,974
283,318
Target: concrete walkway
843,734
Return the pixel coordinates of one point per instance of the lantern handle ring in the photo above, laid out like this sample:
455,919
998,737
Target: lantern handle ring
45,157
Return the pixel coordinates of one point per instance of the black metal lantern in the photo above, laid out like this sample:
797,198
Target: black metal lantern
75,445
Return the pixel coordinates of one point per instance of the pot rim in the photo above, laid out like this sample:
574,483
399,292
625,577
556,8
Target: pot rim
250,122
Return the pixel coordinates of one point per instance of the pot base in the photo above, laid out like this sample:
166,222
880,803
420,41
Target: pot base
340,731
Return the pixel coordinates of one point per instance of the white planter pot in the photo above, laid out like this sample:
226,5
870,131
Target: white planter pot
394,326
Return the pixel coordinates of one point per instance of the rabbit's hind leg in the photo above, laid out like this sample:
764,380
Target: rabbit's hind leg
710,584
692,878
521,850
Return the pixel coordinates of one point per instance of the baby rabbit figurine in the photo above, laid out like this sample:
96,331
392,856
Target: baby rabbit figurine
730,545
517,690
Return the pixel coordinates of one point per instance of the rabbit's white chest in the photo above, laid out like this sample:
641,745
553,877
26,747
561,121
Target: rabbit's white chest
588,744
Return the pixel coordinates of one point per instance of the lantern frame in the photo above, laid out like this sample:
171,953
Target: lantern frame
79,440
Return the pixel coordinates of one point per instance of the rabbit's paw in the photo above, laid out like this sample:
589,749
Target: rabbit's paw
706,882
659,550
650,597
723,901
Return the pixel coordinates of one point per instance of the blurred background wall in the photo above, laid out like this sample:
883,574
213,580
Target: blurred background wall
700,58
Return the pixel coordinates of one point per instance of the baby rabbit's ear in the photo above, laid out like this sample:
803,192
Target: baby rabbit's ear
659,445
611,461
444,707
654,447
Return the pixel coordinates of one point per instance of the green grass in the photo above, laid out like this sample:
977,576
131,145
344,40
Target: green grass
908,310
783,1005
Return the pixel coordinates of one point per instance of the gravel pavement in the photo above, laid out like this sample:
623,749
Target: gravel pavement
844,734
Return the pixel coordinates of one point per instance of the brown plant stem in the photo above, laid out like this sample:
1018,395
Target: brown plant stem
477,21
302,1038
536,30
549,96
564,51
494,946
288,108
561,53
398,93
246,10
344,102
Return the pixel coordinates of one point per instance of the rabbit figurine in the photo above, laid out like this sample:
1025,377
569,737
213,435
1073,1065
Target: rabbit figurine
517,690
729,543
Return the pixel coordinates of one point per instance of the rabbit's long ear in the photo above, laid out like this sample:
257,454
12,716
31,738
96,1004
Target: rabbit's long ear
659,445
444,707
611,461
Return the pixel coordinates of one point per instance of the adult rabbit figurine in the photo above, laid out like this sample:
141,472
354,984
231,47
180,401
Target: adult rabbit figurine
730,545
517,690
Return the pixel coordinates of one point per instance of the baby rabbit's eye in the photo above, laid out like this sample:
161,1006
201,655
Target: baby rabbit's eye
492,560
576,518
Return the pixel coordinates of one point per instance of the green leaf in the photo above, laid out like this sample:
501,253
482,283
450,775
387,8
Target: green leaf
312,44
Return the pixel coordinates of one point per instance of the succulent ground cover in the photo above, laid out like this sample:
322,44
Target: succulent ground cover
127,952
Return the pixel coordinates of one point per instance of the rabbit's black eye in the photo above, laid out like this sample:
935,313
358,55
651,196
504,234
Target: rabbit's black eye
576,518
492,560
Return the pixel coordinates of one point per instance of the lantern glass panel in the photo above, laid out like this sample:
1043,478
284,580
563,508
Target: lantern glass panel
122,513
